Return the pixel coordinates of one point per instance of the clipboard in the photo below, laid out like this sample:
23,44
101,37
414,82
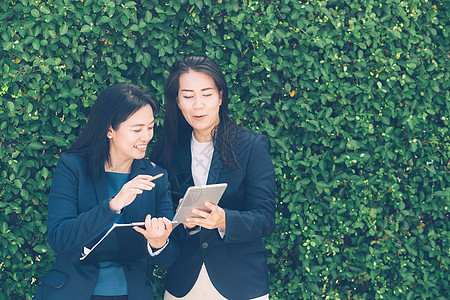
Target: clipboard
195,197
120,243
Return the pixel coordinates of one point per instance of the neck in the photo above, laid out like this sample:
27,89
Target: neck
203,137
118,166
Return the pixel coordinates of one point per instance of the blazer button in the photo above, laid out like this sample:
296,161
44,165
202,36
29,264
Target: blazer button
204,245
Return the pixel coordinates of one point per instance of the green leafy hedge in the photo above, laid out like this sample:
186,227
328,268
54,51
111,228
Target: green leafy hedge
354,96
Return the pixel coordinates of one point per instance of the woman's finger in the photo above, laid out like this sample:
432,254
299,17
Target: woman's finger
148,222
140,230
201,213
167,224
155,224
142,183
211,206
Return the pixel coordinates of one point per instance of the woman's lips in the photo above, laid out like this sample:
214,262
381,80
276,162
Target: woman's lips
198,118
141,147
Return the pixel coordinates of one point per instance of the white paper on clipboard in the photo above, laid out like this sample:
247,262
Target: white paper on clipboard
87,251
195,197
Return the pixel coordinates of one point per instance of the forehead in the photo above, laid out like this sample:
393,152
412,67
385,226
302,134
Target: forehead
142,116
193,80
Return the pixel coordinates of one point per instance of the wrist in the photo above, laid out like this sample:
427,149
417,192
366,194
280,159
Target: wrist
156,245
223,224
113,207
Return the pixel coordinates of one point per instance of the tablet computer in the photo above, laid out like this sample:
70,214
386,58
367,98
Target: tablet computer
195,197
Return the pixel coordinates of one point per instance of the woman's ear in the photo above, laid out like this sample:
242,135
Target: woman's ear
109,134
220,97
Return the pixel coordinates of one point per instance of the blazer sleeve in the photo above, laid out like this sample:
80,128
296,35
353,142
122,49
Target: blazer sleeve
164,209
257,219
69,230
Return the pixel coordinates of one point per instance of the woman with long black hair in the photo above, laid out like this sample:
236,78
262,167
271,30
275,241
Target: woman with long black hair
222,254
102,180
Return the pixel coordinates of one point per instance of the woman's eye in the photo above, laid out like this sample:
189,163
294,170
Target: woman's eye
207,95
137,130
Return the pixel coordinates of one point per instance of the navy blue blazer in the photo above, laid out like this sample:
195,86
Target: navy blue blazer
236,264
78,212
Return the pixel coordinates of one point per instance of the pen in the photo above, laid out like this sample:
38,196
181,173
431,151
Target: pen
156,176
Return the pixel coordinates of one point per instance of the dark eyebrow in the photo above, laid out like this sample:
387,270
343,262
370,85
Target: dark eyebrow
191,91
140,125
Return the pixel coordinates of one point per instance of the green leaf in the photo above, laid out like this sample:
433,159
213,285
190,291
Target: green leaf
130,4
45,10
76,92
63,29
85,28
305,181
35,145
35,13
395,33
234,59
4,227
108,61
40,249
36,45
130,43
199,4
45,172
18,183
10,106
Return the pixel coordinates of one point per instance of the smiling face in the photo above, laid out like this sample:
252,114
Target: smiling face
199,100
129,141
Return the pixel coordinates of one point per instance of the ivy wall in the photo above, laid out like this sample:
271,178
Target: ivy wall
353,95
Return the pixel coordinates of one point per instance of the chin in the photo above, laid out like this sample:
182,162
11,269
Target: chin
139,156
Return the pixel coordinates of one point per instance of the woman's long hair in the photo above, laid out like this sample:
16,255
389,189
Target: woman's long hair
176,128
112,107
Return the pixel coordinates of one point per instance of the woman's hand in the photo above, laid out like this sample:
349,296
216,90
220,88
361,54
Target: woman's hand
130,190
214,219
157,231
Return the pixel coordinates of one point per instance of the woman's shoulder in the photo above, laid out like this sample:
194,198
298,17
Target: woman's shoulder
71,159
72,163
246,136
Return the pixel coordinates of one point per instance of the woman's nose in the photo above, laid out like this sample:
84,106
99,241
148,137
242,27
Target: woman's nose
147,136
198,102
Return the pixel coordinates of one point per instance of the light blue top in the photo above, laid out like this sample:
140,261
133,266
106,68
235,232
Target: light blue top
111,279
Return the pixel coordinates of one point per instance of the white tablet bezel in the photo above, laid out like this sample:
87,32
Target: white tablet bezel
195,197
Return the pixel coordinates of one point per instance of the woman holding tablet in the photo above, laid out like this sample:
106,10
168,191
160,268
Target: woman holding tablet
104,179
222,254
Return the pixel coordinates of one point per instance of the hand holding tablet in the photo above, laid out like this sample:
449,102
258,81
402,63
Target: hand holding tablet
195,197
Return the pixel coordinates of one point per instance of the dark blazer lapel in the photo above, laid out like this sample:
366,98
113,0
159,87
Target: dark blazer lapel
185,161
136,168
181,175
134,208
101,188
216,168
